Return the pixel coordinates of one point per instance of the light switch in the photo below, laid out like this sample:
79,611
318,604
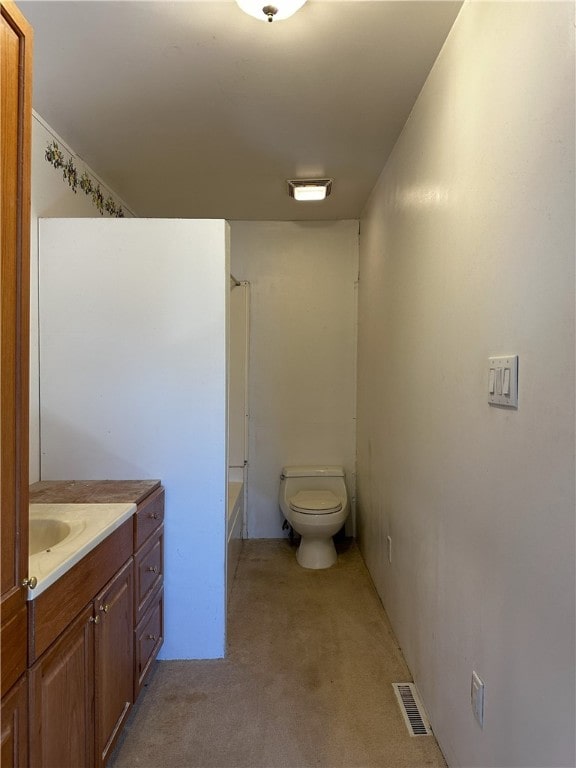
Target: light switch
506,382
491,382
503,381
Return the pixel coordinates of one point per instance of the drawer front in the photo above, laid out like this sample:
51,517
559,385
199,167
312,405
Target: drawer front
149,572
149,516
148,637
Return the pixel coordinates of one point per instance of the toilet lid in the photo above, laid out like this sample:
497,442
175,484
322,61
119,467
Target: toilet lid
315,502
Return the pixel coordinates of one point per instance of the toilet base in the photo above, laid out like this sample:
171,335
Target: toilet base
316,553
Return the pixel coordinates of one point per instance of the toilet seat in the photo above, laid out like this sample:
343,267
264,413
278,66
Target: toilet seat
315,503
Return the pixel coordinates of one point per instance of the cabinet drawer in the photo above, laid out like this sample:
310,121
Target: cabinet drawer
149,572
149,515
148,639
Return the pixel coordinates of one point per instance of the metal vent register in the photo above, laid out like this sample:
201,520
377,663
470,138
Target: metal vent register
412,709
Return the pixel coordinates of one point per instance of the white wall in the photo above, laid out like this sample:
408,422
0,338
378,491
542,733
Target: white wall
302,353
467,250
133,385
50,196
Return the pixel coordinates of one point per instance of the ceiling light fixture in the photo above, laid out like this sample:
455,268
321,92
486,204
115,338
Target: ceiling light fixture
275,11
309,189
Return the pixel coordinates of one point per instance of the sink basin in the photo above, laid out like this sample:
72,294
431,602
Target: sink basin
45,533
60,535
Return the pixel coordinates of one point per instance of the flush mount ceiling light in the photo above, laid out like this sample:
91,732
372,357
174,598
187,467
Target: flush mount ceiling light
309,189
275,11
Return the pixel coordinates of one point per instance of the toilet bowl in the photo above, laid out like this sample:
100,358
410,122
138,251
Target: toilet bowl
314,500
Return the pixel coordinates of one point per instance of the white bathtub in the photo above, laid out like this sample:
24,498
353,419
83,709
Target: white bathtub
235,522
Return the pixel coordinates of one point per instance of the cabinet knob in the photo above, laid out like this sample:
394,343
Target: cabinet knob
30,582
151,637
105,608
152,568
153,515
94,619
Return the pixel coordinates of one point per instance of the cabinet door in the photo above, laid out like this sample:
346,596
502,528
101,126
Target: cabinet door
61,695
114,659
15,119
14,726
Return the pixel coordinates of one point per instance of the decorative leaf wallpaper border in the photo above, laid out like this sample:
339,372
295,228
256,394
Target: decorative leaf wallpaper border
55,157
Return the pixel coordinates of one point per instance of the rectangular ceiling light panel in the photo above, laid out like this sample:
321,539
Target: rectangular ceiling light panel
309,189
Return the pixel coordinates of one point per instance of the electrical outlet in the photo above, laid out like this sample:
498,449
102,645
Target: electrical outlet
477,697
389,540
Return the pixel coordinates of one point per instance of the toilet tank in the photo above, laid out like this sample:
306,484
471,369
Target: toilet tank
316,470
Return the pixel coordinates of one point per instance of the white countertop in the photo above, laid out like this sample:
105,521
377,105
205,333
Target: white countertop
89,525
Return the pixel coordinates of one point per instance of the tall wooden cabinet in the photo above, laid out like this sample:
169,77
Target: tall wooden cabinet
15,127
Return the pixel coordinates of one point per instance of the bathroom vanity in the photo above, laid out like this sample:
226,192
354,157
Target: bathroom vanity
95,631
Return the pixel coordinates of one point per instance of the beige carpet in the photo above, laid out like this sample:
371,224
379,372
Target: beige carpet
306,682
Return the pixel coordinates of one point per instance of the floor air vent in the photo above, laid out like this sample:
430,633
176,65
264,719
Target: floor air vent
412,709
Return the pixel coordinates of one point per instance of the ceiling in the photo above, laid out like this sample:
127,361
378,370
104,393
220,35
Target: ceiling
196,110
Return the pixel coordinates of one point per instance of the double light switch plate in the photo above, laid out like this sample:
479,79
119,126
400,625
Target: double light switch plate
503,381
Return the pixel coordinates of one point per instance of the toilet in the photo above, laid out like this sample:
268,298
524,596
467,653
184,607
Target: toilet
314,500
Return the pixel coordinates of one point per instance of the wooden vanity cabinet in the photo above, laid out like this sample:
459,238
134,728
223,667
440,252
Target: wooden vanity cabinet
81,687
96,632
81,681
